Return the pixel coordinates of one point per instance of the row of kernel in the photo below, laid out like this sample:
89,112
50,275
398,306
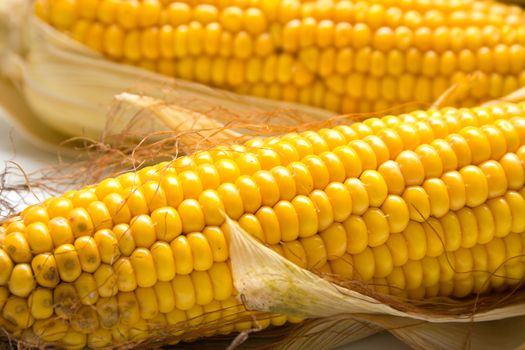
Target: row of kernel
343,11
134,14
446,133
320,96
124,315
353,90
297,35
101,255
257,63
168,42
497,262
344,74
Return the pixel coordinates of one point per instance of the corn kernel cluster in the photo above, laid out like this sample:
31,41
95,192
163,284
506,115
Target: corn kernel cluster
420,205
346,56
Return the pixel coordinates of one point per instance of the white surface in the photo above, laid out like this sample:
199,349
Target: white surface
17,151
14,148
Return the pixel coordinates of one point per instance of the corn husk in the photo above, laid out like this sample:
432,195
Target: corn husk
69,88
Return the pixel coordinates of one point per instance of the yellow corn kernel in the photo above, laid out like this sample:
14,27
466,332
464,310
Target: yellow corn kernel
50,329
6,266
418,203
59,207
397,213
165,296
17,246
192,216
68,263
117,208
144,267
502,216
167,223
65,299
201,251
15,226
21,282
106,279
416,241
81,199
147,301
413,274
126,280
319,171
45,270
383,262
99,338
356,234
308,219
125,239
232,200
516,203
476,185
107,246
377,226
323,207
334,238
88,253
360,200
316,254
143,231
221,280
269,224
80,222
302,177
435,237
17,312
411,167
128,308
108,312
100,215
164,261
60,231
218,244
35,214
184,292
513,170
203,287
86,288
154,195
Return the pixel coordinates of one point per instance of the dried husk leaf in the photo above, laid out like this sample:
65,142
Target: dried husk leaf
14,109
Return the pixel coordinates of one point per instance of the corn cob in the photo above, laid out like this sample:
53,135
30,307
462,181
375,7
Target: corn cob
418,205
344,56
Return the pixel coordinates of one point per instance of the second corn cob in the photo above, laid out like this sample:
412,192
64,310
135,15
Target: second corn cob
419,205
346,56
